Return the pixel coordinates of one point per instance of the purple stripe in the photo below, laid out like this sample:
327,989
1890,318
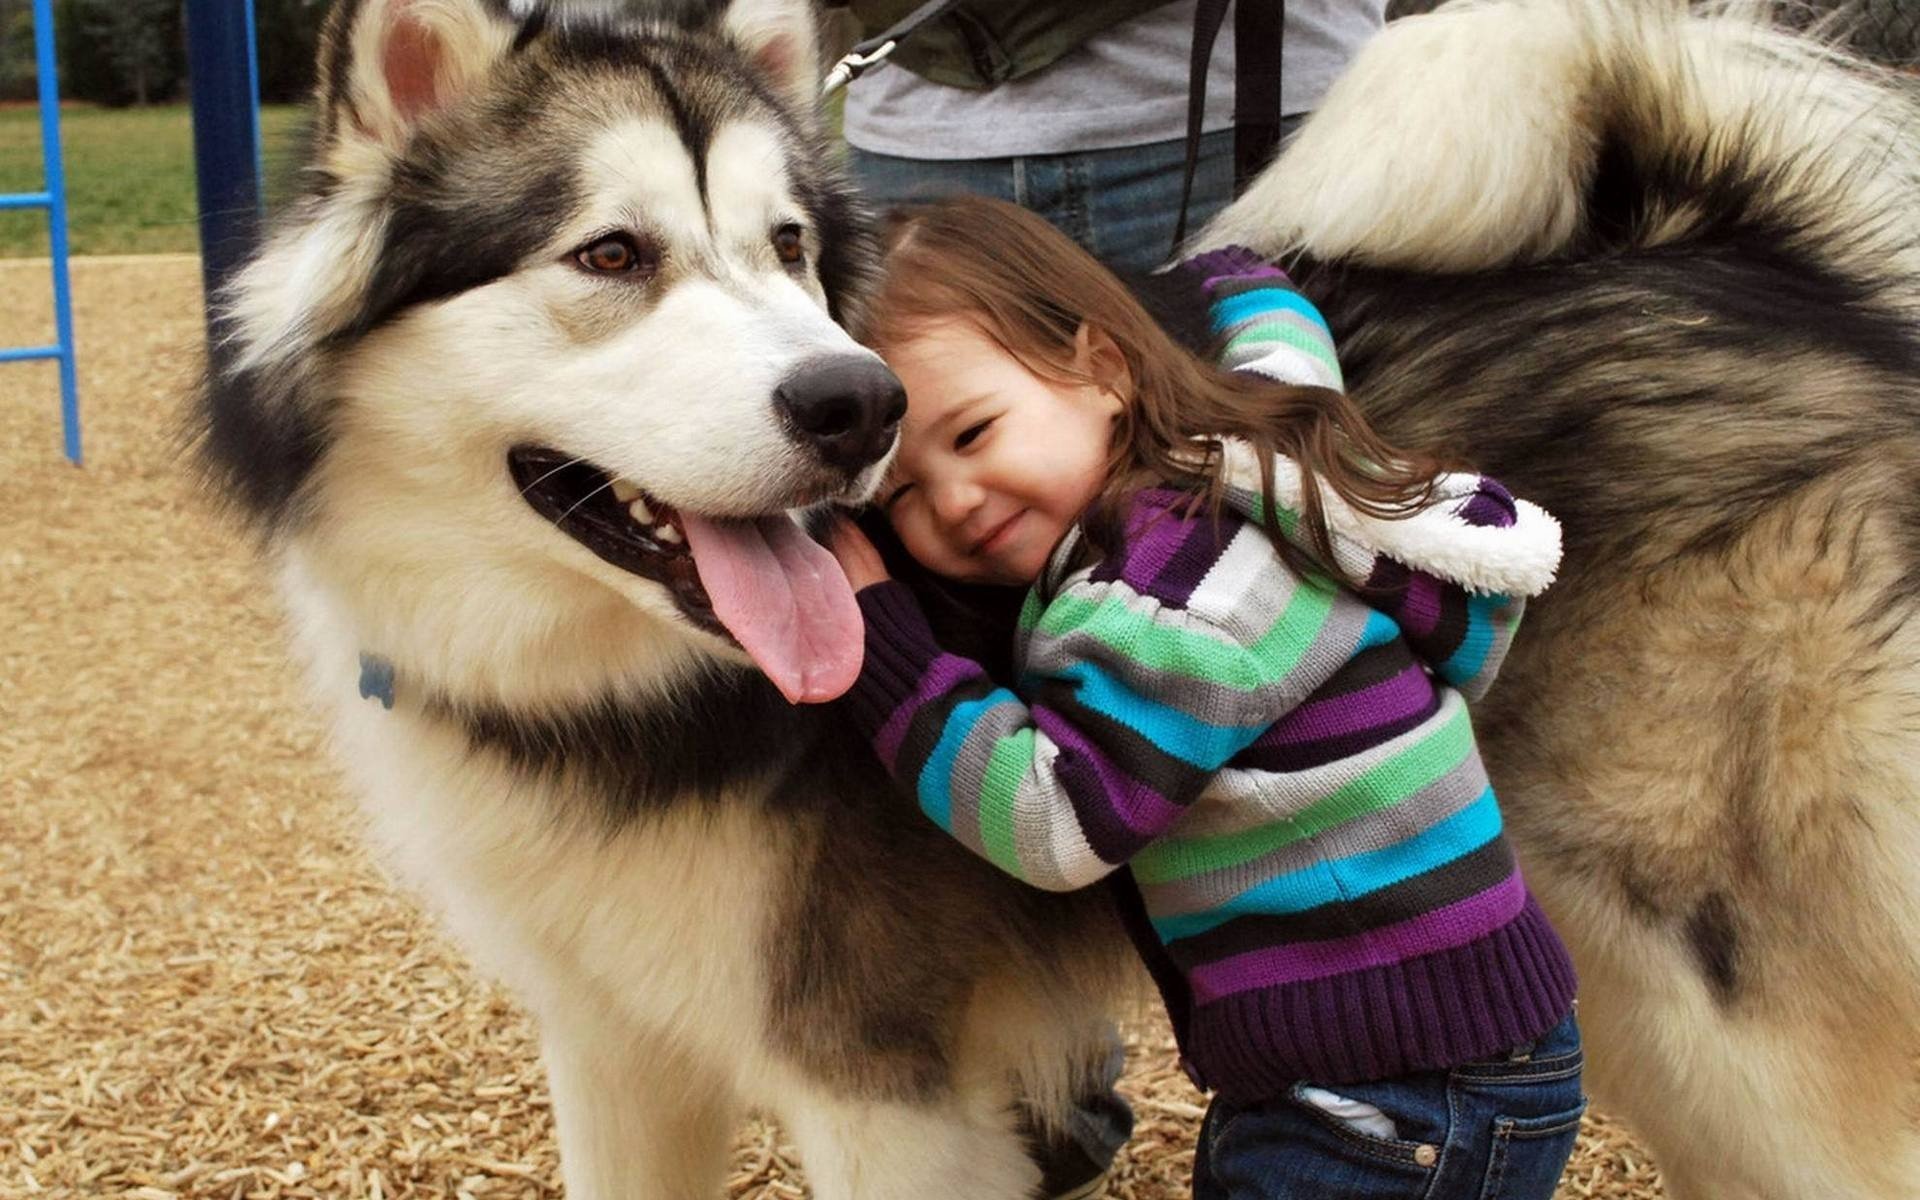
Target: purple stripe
1168,550
1262,271
1153,535
1196,556
1337,716
1421,606
1443,928
1304,756
1492,505
1122,811
1486,510
943,674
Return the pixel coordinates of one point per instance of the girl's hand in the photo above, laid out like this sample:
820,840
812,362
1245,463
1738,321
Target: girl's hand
857,556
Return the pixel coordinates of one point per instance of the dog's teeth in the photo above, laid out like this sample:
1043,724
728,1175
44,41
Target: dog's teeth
668,534
624,492
639,511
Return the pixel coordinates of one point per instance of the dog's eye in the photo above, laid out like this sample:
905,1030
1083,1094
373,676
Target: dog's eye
790,245
618,254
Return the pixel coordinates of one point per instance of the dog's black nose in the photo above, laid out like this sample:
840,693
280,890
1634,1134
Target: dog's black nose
847,408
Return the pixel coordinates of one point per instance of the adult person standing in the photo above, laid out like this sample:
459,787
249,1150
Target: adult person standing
1077,109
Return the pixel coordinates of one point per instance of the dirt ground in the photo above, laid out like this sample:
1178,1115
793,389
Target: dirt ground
206,988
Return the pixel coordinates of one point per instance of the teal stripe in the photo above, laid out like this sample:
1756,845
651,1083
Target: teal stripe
1251,305
1173,732
1380,630
1346,879
935,785
1471,654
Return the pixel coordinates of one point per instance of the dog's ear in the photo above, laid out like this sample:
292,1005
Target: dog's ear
386,65
780,40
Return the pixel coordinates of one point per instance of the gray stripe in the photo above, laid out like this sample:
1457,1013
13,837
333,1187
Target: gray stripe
1444,797
1047,837
1216,703
1247,587
1353,558
1277,795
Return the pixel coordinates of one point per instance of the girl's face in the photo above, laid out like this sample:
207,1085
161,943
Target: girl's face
995,463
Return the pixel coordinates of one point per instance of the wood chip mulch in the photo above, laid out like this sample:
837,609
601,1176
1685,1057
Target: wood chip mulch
206,989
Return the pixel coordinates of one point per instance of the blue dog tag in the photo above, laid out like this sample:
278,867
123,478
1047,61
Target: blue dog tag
376,679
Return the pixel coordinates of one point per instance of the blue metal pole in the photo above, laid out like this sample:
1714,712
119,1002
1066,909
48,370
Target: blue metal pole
56,184
225,74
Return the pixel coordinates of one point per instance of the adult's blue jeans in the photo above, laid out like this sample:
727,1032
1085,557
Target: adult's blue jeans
1120,204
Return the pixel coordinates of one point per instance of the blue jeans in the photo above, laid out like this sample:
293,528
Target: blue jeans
1119,204
1498,1129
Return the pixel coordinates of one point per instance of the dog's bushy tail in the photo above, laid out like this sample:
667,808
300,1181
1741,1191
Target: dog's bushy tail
1492,133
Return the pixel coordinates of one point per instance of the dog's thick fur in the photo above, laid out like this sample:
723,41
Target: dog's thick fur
1663,277
1659,272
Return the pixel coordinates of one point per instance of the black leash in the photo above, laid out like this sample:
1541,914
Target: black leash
1259,28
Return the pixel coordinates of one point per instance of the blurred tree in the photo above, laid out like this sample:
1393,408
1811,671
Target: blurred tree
139,40
17,70
287,32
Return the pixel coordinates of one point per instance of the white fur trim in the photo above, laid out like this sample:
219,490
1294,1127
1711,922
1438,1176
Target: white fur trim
1509,560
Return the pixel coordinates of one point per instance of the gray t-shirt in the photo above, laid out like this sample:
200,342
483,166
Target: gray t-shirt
1126,86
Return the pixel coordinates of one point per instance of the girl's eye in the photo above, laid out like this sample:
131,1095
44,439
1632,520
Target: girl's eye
790,244
893,497
971,434
618,254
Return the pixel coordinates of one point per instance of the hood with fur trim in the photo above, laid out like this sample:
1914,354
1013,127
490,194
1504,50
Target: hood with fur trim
1472,533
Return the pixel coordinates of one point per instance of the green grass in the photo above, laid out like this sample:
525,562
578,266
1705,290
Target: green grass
130,187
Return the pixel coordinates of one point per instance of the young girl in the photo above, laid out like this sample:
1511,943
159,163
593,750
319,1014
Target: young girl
1228,688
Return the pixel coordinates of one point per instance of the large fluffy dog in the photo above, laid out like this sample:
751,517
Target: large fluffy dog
554,307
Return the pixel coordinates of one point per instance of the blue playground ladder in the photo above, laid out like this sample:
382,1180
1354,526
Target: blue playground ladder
54,200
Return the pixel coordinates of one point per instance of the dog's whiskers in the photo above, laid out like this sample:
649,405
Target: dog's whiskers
582,500
572,462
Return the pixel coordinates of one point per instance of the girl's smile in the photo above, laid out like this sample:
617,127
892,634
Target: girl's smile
996,463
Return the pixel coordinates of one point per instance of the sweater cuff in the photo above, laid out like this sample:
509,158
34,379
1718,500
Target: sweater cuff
1229,262
899,649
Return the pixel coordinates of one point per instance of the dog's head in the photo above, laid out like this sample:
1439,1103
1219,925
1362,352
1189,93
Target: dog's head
545,350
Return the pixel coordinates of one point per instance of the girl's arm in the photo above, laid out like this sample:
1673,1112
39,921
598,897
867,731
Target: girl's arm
1132,702
1264,324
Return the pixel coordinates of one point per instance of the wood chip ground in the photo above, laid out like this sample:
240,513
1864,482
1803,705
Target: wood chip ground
206,988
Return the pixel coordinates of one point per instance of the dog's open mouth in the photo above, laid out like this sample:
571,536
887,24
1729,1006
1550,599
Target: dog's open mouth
763,582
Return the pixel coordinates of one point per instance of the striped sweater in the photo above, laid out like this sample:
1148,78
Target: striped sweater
1288,769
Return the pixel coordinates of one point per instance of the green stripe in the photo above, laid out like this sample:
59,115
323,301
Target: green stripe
1030,610
1249,501
1383,786
1010,762
1140,638
1268,331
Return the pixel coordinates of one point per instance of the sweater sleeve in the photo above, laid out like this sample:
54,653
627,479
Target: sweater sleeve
1267,325
1128,708
1262,322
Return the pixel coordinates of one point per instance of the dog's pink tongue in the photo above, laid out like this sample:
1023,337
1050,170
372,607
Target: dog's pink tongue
784,599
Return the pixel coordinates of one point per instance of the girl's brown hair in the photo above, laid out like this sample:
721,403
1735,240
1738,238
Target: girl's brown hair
1030,289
